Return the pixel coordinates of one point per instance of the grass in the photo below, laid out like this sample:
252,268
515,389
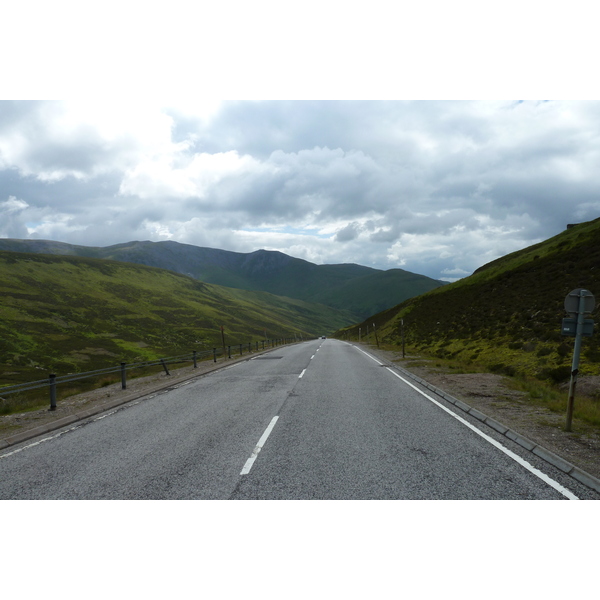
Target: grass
66,314
536,392
40,398
507,315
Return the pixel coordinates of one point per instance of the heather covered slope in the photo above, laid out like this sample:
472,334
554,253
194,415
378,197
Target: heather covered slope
362,290
68,314
507,315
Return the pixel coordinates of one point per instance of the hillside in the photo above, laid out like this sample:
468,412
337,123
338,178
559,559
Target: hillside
362,290
69,314
507,315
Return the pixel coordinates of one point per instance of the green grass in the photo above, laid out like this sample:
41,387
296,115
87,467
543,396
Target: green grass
544,393
506,318
67,314
508,312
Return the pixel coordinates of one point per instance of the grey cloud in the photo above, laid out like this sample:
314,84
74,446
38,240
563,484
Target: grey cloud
470,179
348,233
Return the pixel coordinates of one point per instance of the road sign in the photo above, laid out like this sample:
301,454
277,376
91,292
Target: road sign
572,302
569,327
578,303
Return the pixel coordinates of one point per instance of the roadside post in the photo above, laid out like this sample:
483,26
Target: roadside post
578,304
52,377
123,376
402,334
375,332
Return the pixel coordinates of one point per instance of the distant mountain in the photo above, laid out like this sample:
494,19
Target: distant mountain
361,290
507,315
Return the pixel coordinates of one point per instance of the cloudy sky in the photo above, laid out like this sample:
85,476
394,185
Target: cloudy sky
434,186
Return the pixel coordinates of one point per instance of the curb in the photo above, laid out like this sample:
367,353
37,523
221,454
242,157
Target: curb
556,461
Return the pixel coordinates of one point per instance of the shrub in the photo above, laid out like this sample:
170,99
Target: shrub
503,369
557,375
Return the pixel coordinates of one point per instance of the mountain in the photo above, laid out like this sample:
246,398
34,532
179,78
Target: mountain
362,290
69,314
507,315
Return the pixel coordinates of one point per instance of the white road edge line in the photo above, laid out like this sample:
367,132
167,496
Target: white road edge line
47,439
559,488
371,357
258,447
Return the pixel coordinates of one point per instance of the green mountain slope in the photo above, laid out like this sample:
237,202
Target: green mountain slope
338,286
68,314
507,315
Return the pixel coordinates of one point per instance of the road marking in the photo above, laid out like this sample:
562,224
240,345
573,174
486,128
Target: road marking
312,357
179,385
258,447
47,439
231,366
371,357
559,488
301,374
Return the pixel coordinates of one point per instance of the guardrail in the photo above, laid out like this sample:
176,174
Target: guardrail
53,380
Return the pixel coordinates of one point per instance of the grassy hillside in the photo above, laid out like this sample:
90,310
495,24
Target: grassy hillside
362,290
69,314
507,316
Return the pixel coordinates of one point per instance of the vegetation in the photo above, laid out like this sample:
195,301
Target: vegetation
348,287
68,314
506,317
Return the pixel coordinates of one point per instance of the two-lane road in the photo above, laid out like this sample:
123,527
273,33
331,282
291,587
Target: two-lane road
321,420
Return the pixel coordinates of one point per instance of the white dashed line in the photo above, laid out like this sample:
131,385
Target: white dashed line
258,447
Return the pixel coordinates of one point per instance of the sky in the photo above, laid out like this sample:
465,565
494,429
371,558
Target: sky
434,187
389,134
344,151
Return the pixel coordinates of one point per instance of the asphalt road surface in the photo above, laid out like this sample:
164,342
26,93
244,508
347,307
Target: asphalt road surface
317,420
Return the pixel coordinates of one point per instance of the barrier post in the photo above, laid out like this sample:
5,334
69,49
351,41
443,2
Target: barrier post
123,377
52,391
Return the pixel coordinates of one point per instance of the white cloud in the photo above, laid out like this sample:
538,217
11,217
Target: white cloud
434,187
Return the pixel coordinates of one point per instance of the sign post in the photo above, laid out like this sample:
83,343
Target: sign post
578,304
402,333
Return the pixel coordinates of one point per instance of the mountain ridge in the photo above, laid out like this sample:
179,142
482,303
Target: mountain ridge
270,271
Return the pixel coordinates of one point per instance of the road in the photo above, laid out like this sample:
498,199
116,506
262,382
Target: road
317,420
